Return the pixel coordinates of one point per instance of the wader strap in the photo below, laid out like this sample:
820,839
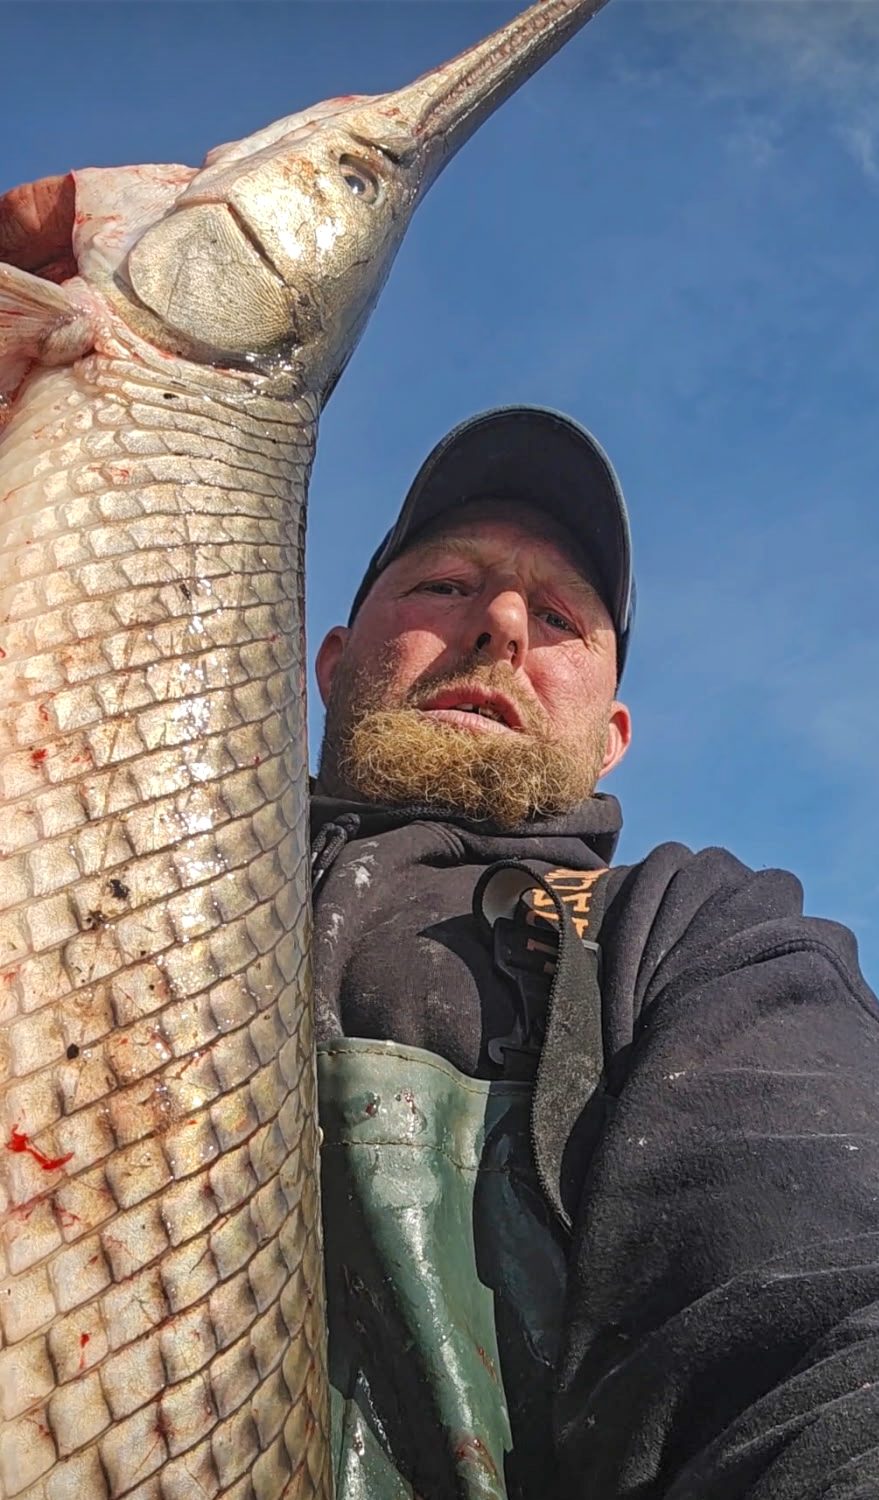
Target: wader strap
568,1101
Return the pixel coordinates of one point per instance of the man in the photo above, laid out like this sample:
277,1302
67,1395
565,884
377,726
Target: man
601,1175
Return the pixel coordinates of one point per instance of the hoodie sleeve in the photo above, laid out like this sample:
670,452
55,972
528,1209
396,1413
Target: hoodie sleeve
723,1319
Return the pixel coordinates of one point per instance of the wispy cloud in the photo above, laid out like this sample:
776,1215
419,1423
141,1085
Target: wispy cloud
789,55
861,140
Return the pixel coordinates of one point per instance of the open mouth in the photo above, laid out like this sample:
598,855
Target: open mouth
483,711
479,710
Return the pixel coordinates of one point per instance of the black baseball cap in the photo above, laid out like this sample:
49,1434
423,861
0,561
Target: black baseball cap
538,457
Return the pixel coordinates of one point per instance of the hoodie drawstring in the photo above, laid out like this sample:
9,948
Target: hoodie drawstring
328,843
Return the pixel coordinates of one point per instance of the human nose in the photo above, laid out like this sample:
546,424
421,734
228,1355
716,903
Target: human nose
502,628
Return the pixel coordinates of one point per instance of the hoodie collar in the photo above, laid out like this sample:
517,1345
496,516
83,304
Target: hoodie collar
595,823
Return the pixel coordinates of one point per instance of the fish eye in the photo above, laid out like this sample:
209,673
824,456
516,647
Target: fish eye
362,182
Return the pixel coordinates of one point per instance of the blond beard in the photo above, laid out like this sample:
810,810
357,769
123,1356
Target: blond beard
400,757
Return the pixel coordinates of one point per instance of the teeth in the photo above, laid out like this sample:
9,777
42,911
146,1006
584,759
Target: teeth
482,709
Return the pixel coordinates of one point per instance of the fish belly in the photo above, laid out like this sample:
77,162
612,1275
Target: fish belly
161,1280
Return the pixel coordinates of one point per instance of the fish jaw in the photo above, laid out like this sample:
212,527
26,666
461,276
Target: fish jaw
272,255
323,200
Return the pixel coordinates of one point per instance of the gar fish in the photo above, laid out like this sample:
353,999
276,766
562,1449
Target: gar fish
168,336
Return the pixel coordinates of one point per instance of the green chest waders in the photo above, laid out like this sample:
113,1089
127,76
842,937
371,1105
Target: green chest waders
445,1280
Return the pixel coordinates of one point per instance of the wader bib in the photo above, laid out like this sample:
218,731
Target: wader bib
445,1280
446,1235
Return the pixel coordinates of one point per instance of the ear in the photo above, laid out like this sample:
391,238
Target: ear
619,738
329,655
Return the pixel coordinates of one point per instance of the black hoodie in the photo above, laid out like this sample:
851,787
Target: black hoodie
397,952
707,1127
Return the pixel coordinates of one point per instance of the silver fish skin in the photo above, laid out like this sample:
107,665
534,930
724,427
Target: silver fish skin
166,347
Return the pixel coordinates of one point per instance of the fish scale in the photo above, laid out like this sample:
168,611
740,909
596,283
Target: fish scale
168,337
156,1037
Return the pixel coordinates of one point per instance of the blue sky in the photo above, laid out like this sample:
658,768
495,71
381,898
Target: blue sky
672,233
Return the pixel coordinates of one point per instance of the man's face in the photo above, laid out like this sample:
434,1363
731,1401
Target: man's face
486,613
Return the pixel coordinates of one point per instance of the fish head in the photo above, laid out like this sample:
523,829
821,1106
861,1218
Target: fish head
272,255
275,252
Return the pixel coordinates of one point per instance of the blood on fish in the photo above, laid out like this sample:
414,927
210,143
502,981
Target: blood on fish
24,1210
120,1246
21,1212
161,1433
19,1141
38,755
186,1064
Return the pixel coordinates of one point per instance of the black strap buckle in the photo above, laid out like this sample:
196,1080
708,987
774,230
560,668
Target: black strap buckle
518,1052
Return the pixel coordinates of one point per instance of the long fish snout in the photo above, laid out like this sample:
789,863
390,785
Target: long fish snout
275,253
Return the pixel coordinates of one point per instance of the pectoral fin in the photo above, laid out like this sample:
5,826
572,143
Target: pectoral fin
39,323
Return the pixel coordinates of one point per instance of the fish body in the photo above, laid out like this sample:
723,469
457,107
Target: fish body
161,1293
168,337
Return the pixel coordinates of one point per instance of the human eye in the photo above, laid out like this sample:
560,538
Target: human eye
557,621
439,586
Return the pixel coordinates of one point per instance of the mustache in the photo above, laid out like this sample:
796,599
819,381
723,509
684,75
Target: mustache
492,678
